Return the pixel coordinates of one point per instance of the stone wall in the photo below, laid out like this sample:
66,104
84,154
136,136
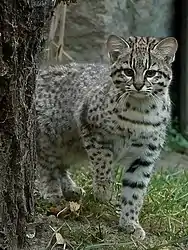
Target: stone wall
89,22
85,30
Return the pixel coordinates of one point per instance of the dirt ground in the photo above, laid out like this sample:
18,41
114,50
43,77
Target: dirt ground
174,160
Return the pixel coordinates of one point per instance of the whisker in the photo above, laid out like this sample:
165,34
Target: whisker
123,99
156,99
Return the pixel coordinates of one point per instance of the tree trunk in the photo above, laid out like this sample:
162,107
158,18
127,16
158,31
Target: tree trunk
22,23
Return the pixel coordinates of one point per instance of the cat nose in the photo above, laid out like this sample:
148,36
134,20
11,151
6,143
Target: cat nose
138,86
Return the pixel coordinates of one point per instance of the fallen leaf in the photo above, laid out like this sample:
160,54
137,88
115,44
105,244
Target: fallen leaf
54,210
59,239
74,206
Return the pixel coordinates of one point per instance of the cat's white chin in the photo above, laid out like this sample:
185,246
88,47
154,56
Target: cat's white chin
139,95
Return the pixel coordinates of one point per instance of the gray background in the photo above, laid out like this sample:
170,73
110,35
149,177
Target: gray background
89,22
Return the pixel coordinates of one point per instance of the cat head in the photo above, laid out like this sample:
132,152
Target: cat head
141,66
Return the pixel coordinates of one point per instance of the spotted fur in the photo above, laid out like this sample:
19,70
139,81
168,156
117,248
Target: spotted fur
110,114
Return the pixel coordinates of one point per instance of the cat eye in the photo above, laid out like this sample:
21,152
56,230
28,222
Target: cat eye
150,73
129,72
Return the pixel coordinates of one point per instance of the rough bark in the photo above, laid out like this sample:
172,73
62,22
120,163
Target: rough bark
22,23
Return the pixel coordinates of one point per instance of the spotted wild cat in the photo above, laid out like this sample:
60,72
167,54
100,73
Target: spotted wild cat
111,114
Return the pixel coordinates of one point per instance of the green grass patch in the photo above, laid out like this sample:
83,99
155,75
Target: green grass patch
165,211
175,140
164,217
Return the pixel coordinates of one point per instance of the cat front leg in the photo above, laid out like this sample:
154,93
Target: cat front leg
134,186
100,157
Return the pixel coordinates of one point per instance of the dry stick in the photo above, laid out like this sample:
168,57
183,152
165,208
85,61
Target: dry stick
54,234
62,31
63,52
62,35
68,56
53,28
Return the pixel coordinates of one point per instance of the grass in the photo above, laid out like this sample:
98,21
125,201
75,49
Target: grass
164,217
175,140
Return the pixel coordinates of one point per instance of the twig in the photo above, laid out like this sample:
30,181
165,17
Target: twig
62,30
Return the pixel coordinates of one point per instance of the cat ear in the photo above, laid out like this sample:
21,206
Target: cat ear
115,46
167,48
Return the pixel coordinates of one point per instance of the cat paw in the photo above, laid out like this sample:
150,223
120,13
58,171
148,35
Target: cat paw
102,193
50,191
54,198
133,229
74,194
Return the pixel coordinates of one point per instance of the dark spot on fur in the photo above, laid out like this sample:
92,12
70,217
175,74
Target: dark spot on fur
136,163
130,203
131,184
137,145
146,175
153,106
135,197
128,104
124,201
152,147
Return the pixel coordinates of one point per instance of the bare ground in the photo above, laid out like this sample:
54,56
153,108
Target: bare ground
174,160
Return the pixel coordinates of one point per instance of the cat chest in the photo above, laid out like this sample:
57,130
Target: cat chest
122,133
134,123
120,146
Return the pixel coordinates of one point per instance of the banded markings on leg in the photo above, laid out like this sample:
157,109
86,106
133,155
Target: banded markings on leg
135,182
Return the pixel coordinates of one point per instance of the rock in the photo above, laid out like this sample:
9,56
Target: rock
85,30
88,23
